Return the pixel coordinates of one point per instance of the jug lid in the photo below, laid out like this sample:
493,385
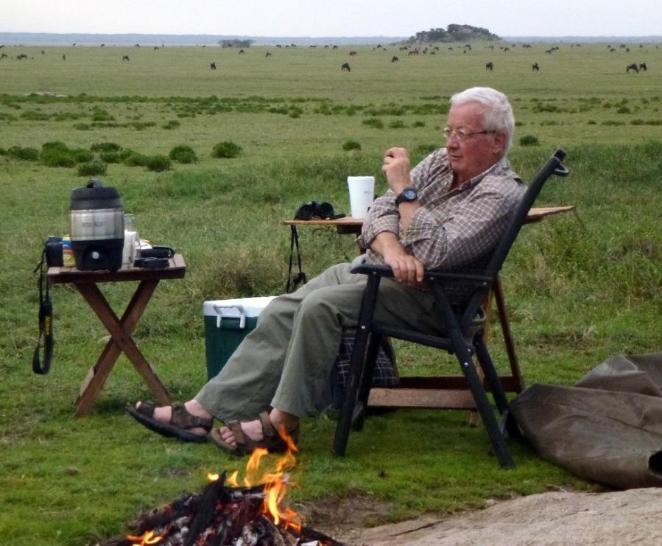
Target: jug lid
95,196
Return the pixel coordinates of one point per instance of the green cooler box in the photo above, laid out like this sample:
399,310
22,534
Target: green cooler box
227,322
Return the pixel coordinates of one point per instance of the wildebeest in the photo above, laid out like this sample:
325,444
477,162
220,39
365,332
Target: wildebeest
352,53
21,56
394,59
267,54
212,66
241,51
643,67
489,66
125,58
535,67
64,57
345,67
632,68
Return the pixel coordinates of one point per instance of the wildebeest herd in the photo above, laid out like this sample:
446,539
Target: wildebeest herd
415,49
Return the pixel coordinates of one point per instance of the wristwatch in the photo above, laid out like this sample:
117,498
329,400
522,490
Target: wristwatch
407,195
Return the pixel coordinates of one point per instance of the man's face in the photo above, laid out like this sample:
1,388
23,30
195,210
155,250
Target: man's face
477,150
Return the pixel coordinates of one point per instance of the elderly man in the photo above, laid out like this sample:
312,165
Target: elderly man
448,211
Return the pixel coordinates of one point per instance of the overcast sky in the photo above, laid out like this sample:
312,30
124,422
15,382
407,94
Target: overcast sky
318,18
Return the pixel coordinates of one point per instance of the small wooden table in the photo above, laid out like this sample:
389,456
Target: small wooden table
444,391
120,329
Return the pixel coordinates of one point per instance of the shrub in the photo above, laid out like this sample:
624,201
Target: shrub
102,115
92,168
374,122
3,151
226,149
56,154
529,140
351,145
105,147
81,155
397,124
110,157
26,154
133,159
172,124
183,154
157,163
82,126
418,124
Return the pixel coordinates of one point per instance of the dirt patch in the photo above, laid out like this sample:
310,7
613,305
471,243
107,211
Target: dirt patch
612,518
343,517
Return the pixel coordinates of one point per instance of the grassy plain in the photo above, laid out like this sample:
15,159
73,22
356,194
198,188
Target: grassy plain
579,287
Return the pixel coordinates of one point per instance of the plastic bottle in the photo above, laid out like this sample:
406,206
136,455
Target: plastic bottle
68,259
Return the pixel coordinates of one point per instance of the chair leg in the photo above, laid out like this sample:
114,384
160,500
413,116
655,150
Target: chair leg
490,374
357,368
463,354
365,384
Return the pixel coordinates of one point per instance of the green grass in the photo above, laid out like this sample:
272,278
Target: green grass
579,287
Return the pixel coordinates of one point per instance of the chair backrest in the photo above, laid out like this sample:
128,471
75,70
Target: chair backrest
554,166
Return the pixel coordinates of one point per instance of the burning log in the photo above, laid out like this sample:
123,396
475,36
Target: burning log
218,516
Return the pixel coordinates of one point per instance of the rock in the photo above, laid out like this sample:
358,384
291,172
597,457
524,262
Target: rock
612,518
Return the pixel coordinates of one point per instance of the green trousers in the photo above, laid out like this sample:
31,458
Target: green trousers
287,360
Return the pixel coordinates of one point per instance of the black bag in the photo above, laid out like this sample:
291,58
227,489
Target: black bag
385,374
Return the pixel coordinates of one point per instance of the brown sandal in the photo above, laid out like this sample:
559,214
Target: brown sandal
180,424
271,438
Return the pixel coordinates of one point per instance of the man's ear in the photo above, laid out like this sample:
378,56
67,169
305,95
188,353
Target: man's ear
500,143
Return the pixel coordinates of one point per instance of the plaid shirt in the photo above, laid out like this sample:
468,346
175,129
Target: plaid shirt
451,228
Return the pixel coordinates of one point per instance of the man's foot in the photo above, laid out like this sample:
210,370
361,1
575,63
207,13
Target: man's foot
243,438
189,422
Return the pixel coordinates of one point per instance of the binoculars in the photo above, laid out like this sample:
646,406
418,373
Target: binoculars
313,209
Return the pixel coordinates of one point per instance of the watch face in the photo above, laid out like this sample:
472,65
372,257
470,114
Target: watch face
409,194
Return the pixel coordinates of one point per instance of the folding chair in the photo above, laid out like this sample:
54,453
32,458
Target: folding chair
460,296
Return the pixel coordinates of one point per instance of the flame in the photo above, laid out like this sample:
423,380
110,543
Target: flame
147,538
275,488
233,480
213,476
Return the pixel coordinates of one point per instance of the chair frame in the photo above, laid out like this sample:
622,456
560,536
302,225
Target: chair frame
462,336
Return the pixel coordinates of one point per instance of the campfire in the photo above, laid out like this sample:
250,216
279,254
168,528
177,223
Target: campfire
227,512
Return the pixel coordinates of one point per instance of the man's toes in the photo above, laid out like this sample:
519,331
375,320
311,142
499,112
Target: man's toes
228,436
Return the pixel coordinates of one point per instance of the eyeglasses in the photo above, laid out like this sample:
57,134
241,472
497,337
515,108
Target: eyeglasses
462,134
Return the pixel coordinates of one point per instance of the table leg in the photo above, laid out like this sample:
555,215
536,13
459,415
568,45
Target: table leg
507,334
121,341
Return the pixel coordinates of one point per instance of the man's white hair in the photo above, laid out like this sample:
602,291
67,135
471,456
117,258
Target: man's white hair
498,114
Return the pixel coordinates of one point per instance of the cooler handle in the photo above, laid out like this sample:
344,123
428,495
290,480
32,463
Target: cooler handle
219,314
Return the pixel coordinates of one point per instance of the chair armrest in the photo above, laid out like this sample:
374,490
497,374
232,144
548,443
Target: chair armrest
372,269
431,275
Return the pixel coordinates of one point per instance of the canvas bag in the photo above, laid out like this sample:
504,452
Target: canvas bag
607,428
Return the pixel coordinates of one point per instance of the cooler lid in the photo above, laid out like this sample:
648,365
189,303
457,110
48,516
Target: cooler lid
235,308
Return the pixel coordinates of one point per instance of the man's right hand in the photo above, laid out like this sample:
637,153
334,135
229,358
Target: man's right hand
406,268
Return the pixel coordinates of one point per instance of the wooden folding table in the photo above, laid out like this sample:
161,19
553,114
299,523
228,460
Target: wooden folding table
120,329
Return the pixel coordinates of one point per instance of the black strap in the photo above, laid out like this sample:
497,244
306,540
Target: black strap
300,277
46,340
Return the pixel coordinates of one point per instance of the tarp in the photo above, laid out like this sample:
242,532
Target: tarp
607,428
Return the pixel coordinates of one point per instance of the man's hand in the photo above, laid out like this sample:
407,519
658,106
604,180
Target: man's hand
406,268
396,167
